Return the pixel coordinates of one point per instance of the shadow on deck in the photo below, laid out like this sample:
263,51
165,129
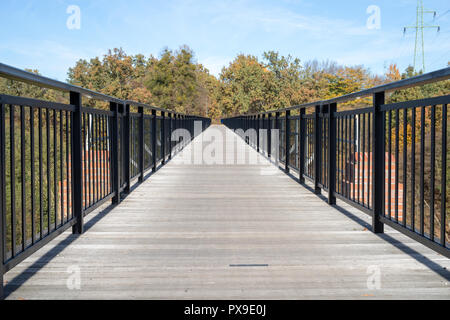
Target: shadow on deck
178,234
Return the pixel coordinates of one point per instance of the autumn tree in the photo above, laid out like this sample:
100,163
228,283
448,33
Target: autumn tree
245,86
172,80
117,74
285,86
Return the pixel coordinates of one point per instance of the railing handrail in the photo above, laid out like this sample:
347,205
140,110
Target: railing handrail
426,78
17,74
334,142
92,152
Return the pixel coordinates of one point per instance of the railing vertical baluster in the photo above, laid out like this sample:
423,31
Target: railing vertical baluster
154,139
396,161
250,126
177,126
89,157
269,135
104,161
251,137
77,187
41,176
332,108
405,162
443,174
115,170
302,145
47,159
261,136
247,126
364,159
55,172
61,170
422,170
186,126
2,196
255,128
317,149
287,138
170,115
33,179
432,169
182,126
22,176
378,159
277,145
126,148
413,169
163,138
141,143
257,132
95,158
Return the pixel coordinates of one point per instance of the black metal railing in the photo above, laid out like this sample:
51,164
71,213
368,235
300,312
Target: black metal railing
60,162
390,160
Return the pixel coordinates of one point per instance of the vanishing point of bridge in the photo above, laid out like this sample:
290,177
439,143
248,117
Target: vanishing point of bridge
230,229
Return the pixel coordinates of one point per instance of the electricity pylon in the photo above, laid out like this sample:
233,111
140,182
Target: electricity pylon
419,27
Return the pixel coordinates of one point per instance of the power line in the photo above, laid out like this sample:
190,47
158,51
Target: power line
419,28
441,15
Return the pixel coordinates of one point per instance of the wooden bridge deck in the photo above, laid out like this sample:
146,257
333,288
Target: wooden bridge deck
229,232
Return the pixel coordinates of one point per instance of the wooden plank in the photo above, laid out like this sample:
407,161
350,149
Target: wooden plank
176,235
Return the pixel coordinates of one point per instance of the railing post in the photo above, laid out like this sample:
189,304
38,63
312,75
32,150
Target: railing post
126,145
317,134
287,136
378,159
302,145
154,139
331,153
269,135
77,171
141,143
170,135
115,152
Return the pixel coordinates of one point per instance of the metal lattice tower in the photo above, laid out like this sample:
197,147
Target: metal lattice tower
419,27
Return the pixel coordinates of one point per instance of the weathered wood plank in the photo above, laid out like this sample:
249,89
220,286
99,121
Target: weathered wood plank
176,235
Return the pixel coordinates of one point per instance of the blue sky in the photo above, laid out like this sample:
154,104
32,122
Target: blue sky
34,34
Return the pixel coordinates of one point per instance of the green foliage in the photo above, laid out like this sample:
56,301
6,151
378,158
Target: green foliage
420,92
245,86
172,80
176,81
16,88
117,74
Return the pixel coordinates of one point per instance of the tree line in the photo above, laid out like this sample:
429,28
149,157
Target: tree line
176,81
